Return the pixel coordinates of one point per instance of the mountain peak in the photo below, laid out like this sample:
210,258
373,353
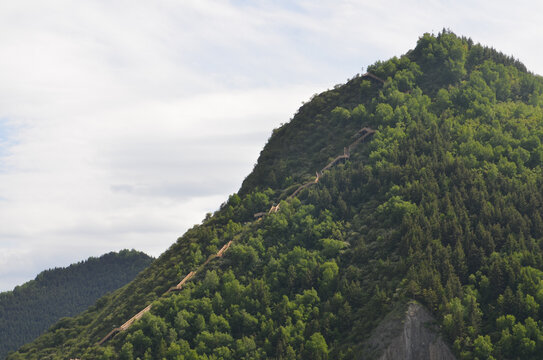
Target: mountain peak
442,205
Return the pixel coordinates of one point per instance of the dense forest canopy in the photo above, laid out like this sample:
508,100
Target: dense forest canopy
33,307
443,205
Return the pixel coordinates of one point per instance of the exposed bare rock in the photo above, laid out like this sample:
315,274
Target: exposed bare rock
411,334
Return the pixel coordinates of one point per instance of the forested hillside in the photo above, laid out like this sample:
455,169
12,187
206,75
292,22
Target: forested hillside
442,204
33,307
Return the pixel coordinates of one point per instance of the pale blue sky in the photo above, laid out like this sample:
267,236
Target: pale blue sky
7,140
129,120
4,136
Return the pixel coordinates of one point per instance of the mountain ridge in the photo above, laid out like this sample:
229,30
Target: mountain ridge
29,309
360,136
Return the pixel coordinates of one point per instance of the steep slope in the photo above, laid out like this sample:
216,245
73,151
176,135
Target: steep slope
442,204
33,307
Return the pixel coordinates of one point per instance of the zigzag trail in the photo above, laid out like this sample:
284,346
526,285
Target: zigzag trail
178,287
361,136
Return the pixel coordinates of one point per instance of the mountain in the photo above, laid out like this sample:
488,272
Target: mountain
30,309
405,203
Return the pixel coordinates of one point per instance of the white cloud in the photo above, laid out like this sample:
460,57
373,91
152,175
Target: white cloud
122,123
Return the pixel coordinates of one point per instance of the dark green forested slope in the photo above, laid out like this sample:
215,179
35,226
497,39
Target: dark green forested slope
443,205
33,307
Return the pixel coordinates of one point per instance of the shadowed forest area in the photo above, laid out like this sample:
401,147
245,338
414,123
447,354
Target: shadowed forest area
30,309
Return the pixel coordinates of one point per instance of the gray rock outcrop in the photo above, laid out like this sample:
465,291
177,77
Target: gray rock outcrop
411,334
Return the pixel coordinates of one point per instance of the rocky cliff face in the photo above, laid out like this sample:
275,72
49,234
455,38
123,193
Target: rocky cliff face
410,334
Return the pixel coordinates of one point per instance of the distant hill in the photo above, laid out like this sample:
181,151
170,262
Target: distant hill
33,307
419,180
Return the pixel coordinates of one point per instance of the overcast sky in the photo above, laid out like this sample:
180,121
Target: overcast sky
123,122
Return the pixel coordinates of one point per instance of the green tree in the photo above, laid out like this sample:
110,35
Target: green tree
316,347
